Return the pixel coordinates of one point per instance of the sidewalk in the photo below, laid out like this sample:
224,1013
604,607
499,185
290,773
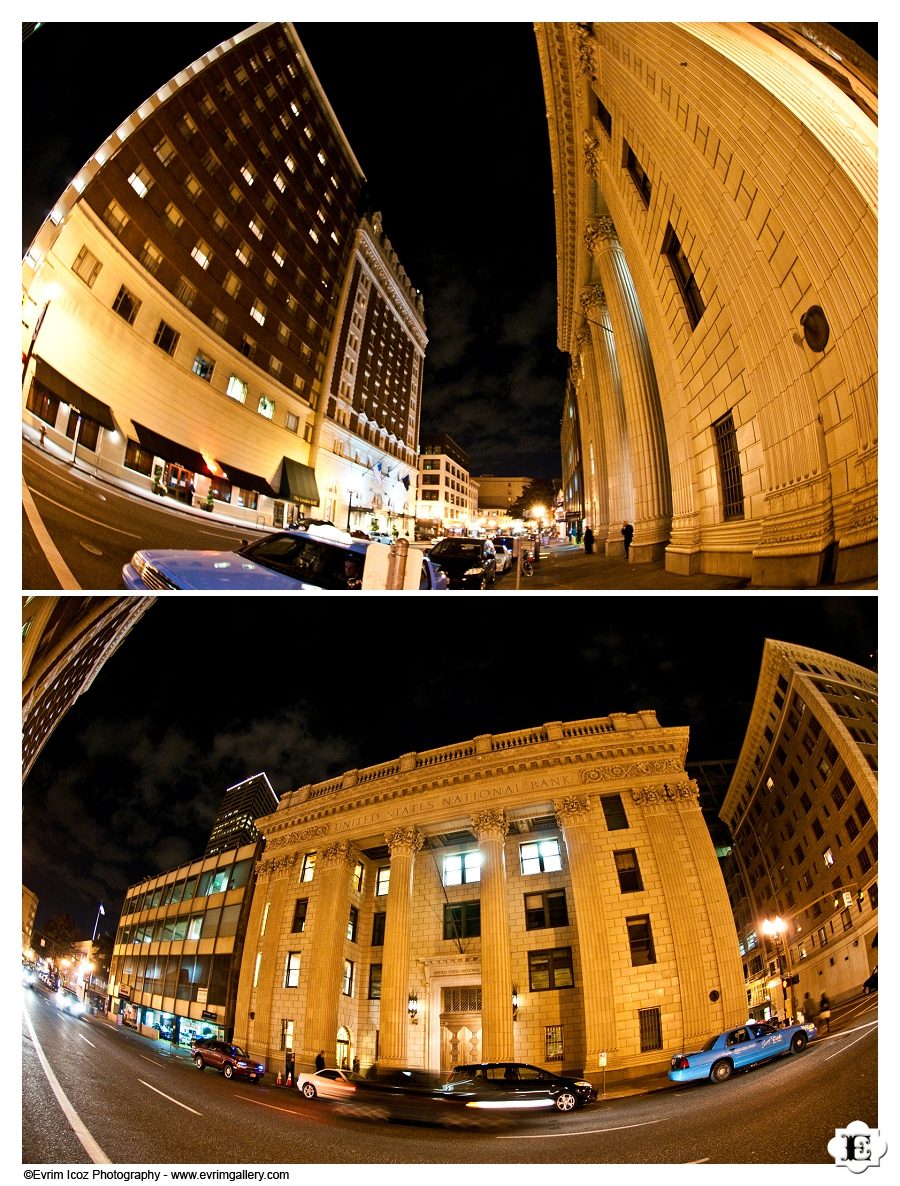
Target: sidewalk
567,566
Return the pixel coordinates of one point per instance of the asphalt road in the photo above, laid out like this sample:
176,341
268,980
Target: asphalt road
135,1102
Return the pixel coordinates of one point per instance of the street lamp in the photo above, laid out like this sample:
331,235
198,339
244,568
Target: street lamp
537,513
778,927
349,507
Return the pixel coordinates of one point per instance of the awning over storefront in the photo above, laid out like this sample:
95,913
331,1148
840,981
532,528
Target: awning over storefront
161,446
247,481
71,394
298,481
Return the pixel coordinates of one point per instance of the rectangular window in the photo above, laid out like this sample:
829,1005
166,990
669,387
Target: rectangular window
462,867
347,985
546,909
729,468
166,338
650,1025
541,856
550,969
352,924
203,366
140,181
553,1043
614,812
150,257
640,940
637,174
375,982
266,407
202,253
115,217
301,905
185,292
126,305
604,116
308,867
292,970
628,871
137,458
237,388
287,1033
87,267
462,920
258,312
684,277
165,150
357,883
378,928
382,881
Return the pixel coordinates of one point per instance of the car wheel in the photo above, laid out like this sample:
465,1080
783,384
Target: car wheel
199,1063
798,1042
228,1071
309,1091
721,1071
565,1101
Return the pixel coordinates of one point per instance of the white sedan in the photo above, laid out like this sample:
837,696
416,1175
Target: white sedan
504,558
330,1084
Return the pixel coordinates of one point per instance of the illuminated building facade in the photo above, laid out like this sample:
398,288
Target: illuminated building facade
448,495
717,231
536,895
184,300
802,809
243,804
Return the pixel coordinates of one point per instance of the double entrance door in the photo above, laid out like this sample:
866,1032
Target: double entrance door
460,1026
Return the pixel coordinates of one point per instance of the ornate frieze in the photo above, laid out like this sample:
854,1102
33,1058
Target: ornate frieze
490,825
297,837
678,792
618,770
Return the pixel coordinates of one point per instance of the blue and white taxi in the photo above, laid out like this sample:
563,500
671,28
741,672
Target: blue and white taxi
740,1048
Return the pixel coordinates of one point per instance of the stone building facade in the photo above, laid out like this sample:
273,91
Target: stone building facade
717,226
550,895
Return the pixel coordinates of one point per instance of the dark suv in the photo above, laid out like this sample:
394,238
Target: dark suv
469,562
231,1060
518,1085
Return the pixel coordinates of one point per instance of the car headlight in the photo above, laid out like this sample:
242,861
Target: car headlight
583,1083
473,572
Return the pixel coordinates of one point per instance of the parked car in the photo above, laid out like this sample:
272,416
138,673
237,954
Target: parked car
739,1049
231,1060
504,558
69,1002
293,560
404,1094
331,1084
469,562
870,984
509,1085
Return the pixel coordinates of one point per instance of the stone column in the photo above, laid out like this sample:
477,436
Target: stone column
394,1026
643,411
491,829
620,500
576,819
324,951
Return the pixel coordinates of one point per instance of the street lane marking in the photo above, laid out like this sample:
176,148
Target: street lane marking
867,1028
78,515
170,1098
89,1042
93,1150
578,1132
274,1107
60,569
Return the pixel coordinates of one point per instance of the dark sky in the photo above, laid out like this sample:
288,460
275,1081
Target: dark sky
449,126
207,691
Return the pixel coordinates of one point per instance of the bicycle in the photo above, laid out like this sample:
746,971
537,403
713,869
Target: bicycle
527,567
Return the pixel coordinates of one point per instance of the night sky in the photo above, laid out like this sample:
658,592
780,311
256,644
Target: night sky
207,691
448,124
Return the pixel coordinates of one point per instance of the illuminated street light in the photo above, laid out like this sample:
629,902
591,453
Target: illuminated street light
778,927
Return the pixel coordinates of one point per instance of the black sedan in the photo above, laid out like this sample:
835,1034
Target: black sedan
470,563
514,1085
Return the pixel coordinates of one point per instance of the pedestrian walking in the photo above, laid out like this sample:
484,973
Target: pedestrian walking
356,1065
627,536
588,541
320,1061
810,1008
825,1012
43,434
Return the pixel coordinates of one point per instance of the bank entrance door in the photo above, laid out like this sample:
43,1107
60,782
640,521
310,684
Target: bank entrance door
460,1026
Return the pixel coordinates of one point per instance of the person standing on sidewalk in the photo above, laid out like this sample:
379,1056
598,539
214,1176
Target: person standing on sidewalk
825,1012
588,541
627,536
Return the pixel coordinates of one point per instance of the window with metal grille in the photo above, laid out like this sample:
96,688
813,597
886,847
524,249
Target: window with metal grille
462,920
729,468
684,277
466,999
650,1029
553,1043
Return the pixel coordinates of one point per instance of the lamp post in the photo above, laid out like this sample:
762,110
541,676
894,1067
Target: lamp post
349,506
537,513
777,926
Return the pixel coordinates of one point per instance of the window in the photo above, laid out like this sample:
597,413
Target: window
462,920
185,292
553,1043
862,813
243,254
292,970
140,181
238,389
150,257
828,857
540,856
650,1026
637,174
628,871
202,253
217,321
137,458
301,905
192,188
308,867
375,982
729,468
347,986
258,312
546,909
174,215
231,284
640,939
287,1034
87,267
550,969
684,277
203,366
378,928
165,150
126,305
352,924
382,881
604,116
266,407
166,338
614,812
462,867
357,879
115,217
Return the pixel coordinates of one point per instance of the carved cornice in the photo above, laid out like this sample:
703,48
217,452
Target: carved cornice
619,770
677,793
490,825
409,840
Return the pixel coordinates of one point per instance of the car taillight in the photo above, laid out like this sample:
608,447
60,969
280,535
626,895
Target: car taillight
681,1063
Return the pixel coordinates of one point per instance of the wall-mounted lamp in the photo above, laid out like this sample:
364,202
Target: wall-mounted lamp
515,1002
815,327
413,1009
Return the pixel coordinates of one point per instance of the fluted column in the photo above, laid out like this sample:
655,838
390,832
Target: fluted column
324,950
491,828
598,990
404,843
643,412
619,496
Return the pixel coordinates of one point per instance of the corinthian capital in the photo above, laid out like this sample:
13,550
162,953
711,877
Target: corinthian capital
408,840
341,852
592,297
490,825
600,232
574,809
